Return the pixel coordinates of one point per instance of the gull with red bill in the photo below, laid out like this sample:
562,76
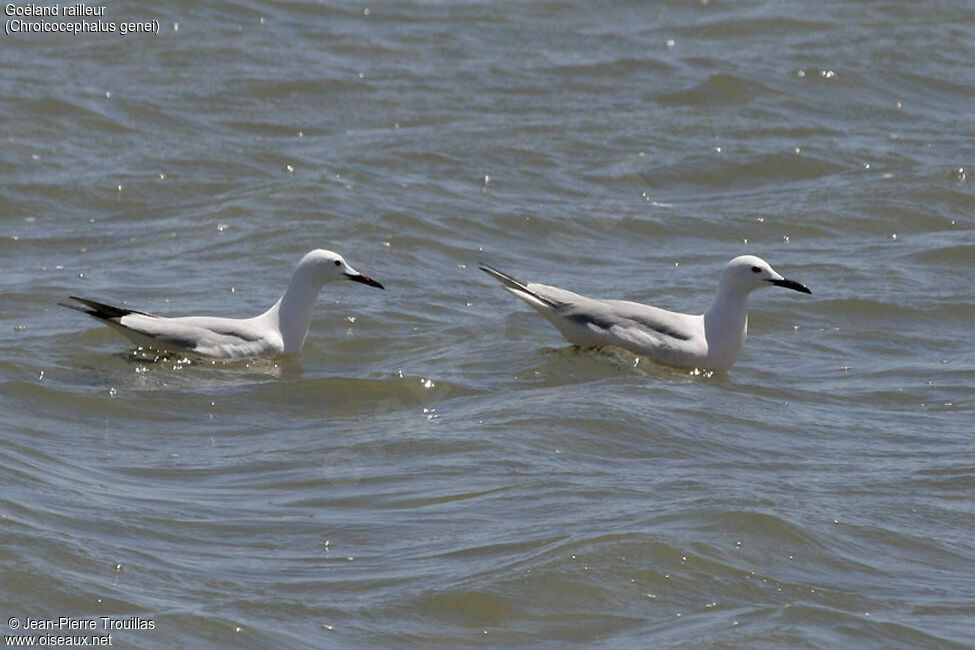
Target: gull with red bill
712,340
280,330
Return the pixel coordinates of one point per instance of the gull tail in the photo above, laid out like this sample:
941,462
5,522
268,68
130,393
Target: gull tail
100,310
519,288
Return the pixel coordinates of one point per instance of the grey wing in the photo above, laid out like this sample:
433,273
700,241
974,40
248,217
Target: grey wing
607,314
653,319
201,334
198,333
639,328
136,323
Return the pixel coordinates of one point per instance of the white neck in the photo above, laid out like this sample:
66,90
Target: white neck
295,308
726,325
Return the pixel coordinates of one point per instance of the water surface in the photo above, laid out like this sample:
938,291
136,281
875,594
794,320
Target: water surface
439,468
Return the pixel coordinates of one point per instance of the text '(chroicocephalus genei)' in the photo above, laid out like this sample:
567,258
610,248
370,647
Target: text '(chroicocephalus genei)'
280,330
710,341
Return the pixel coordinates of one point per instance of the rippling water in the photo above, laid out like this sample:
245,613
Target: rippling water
440,469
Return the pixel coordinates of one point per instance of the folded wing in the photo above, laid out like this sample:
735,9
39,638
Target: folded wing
216,337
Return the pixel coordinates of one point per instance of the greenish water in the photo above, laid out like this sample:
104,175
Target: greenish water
439,468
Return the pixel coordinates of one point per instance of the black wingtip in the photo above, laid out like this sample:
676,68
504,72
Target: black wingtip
99,309
512,283
74,307
500,275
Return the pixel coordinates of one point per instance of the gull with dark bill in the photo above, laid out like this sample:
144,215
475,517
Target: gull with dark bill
280,330
711,340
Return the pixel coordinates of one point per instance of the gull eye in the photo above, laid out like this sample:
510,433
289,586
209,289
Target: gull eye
755,269
338,262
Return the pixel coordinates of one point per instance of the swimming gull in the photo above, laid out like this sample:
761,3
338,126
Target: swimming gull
710,341
280,330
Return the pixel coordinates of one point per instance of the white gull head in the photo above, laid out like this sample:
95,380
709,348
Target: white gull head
746,273
320,266
293,312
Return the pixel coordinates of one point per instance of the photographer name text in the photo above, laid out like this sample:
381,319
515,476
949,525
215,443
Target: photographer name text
71,623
